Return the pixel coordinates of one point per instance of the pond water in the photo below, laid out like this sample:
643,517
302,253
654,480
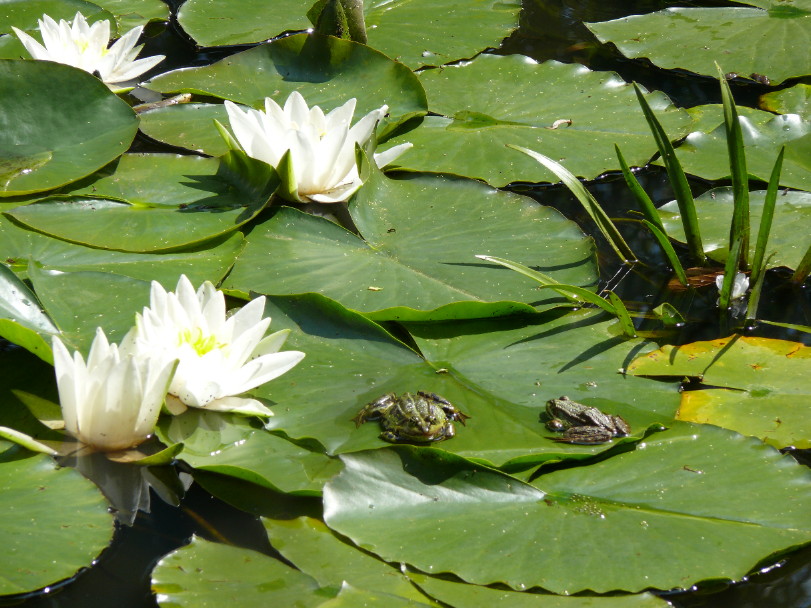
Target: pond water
550,29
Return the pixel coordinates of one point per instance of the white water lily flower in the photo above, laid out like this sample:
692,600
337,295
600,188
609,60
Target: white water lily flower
85,47
219,357
322,147
112,401
739,286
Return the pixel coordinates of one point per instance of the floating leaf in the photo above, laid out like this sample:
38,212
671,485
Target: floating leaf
22,319
24,14
461,595
210,574
408,265
743,40
188,125
793,100
704,153
677,494
86,128
32,525
714,210
566,112
315,550
326,71
230,445
761,385
501,372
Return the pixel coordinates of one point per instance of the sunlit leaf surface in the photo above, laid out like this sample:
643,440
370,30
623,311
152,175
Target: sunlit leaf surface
714,209
758,385
672,496
741,39
211,574
52,520
793,100
408,262
500,373
566,112
60,115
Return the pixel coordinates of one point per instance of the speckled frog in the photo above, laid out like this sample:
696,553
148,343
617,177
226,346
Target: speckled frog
582,424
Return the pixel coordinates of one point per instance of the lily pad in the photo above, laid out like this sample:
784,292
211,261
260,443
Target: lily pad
741,39
24,14
415,32
231,445
794,100
714,209
565,111
499,372
61,111
678,494
315,550
32,526
160,202
188,125
18,246
132,13
705,153
326,71
22,319
461,595
210,574
214,22
407,263
758,385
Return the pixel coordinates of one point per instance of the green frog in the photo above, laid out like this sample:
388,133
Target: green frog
412,418
582,424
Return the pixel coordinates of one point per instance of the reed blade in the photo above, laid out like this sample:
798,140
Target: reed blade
678,181
769,203
737,171
590,204
672,257
645,203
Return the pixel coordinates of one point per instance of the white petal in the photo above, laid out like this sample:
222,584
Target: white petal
387,156
239,405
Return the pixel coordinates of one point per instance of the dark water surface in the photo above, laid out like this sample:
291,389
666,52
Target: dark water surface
550,29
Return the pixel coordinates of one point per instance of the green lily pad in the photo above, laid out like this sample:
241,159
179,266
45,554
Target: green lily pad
500,372
188,125
759,385
42,507
741,39
24,14
461,595
57,110
19,245
408,262
214,22
326,71
794,100
105,300
714,209
351,597
22,319
210,574
231,445
677,495
315,550
415,32
705,153
132,13
565,111
160,202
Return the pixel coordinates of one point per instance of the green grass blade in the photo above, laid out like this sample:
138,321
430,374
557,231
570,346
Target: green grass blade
730,270
803,268
622,315
590,204
576,294
795,327
766,218
678,181
664,243
648,208
757,286
738,173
